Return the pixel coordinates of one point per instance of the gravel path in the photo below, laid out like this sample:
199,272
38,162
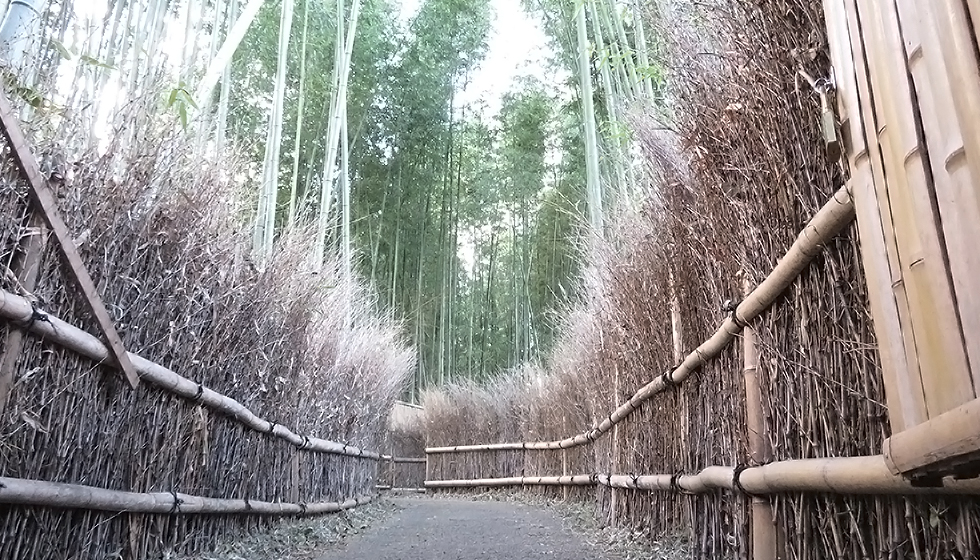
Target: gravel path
433,529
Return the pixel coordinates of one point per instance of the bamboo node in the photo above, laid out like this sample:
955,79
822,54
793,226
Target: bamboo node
272,427
305,444
667,380
302,509
199,394
675,484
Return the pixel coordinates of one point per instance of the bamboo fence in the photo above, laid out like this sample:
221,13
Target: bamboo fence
20,311
91,466
733,189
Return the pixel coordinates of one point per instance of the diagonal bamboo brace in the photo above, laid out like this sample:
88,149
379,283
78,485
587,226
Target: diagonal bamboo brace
43,199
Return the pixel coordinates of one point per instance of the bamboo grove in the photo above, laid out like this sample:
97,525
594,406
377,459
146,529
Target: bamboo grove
346,115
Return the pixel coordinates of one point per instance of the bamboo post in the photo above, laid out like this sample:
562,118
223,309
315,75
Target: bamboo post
760,450
294,478
677,339
26,271
564,459
391,467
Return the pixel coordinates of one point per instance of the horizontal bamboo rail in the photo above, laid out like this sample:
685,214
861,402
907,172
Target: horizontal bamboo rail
75,496
952,439
401,489
837,475
389,458
20,313
830,220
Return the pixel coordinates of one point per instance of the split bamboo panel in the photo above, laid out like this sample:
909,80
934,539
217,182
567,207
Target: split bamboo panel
934,320
909,95
833,217
75,496
19,311
888,302
847,476
947,80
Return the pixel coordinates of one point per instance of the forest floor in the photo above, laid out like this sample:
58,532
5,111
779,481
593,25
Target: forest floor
450,528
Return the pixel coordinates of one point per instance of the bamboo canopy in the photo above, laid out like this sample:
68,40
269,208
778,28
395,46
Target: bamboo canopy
19,311
836,475
75,496
832,218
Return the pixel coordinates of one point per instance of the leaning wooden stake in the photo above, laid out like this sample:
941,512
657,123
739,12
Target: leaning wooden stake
43,199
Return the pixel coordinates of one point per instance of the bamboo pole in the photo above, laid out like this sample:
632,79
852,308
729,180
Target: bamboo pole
760,449
75,496
827,223
834,475
403,459
952,437
19,312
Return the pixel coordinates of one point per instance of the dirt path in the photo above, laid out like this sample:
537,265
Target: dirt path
432,529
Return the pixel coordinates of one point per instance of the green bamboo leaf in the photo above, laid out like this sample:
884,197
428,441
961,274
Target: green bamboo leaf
60,47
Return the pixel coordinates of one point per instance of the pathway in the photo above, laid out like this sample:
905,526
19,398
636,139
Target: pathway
434,529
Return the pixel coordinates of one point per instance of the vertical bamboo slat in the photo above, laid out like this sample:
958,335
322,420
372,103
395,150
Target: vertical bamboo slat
931,304
948,83
901,376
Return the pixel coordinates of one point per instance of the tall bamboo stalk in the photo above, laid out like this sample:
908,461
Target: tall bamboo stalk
593,186
224,98
294,179
333,132
265,220
223,58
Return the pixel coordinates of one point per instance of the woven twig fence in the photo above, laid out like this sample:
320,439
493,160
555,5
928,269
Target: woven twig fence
94,468
828,222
